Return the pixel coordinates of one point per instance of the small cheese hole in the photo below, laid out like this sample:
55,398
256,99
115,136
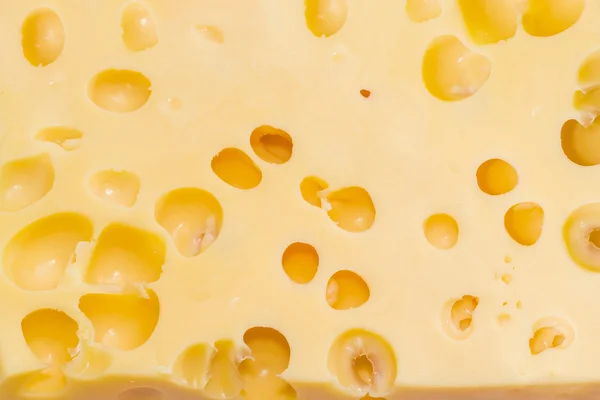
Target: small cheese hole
325,17
311,188
271,144
67,138
117,187
346,290
236,168
24,181
496,177
351,208
550,333
51,335
119,90
300,262
139,27
441,231
365,93
42,37
462,312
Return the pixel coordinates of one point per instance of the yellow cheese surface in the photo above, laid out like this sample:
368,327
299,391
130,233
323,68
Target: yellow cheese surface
300,199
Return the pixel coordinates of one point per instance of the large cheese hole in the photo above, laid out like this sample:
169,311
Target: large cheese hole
117,187
496,177
551,17
24,181
224,379
191,367
524,222
121,321
580,234
489,21
269,349
363,361
124,255
42,37
139,27
452,72
51,335
550,333
311,188
119,90
271,144
144,393
67,138
458,316
38,255
346,290
441,231
423,10
579,143
193,217
325,17
236,168
300,262
351,208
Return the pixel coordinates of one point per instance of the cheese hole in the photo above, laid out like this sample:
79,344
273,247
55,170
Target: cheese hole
119,90
588,74
524,222
451,72
489,21
51,335
193,217
351,208
580,233
126,255
38,255
117,187
91,361
269,350
441,231
422,10
139,27
271,144
550,333
462,312
210,33
300,262
144,393
579,142
496,177
346,290
236,168
121,321
551,17
260,387
224,379
325,17
365,93
42,37
24,181
363,362
67,138
46,383
311,188
503,319
191,367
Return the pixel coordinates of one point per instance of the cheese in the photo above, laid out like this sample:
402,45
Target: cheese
319,199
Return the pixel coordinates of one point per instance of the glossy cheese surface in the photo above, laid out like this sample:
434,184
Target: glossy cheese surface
312,200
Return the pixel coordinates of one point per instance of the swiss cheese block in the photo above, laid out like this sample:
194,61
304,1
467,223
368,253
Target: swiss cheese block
300,199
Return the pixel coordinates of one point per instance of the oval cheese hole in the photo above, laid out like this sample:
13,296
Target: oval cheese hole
524,222
579,142
67,138
351,208
271,144
119,90
224,379
300,262
423,10
210,33
121,321
236,168
550,333
581,234
139,27
51,335
451,72
346,290
269,350
125,255
458,316
143,393
38,255
363,361
117,187
193,217
24,181
311,188
42,37
551,17
191,367
365,93
496,177
489,21
325,17
441,231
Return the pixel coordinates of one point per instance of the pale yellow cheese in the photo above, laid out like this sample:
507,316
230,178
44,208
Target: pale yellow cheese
312,200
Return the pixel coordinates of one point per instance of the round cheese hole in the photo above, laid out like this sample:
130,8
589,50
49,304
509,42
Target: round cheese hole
269,350
441,231
117,187
351,208
579,142
119,90
489,21
121,321
67,138
143,393
551,17
38,255
138,26
325,17
42,37
193,217
550,333
581,236
300,262
125,255
496,177
24,181
524,222
311,188
346,290
51,335
271,144
236,168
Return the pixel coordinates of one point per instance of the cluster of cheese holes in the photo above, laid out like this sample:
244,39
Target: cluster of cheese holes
346,289
524,223
581,233
550,333
458,316
24,181
441,231
42,37
325,18
422,10
496,177
300,262
363,362
138,26
116,187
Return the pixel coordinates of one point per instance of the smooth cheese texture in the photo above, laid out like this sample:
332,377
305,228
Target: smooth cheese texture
320,199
